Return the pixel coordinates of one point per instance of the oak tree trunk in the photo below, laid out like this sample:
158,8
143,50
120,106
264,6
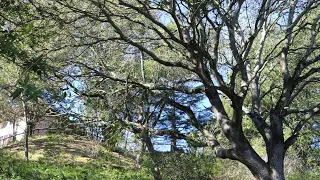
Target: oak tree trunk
153,155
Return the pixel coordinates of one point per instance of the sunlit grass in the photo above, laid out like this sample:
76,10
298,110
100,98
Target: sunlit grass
66,157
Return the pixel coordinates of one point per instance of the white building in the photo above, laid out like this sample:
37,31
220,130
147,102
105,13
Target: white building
10,130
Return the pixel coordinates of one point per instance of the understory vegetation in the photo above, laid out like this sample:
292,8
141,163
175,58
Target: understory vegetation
59,157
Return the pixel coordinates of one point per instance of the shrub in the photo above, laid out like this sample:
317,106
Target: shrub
183,166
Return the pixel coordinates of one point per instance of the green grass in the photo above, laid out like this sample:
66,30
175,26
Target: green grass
305,175
56,157
67,157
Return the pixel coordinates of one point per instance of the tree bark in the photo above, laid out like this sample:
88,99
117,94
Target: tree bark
277,162
14,132
153,155
174,128
139,155
272,170
26,145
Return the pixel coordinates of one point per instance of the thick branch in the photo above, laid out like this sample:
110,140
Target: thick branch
314,111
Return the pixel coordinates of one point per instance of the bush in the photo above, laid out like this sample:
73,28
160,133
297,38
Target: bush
11,168
305,175
14,168
183,166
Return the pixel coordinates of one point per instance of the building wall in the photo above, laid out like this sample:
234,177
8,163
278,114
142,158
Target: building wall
9,129
41,127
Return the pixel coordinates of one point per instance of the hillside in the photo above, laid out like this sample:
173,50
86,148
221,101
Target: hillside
61,157
66,157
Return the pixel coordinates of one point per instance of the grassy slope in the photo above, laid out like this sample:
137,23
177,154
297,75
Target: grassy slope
69,157
66,157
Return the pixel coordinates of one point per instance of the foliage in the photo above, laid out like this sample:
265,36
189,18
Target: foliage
256,62
307,175
225,169
55,164
12,168
182,166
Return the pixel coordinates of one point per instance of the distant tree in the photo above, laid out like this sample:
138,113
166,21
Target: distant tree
22,36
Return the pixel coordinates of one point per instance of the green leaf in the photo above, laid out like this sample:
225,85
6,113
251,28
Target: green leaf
30,89
26,80
89,100
29,28
17,93
32,92
64,95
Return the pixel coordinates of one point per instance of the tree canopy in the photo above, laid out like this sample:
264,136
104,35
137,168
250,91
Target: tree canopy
134,61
